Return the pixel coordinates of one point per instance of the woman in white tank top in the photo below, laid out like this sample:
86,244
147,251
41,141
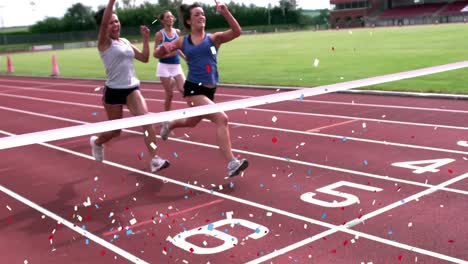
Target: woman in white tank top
122,85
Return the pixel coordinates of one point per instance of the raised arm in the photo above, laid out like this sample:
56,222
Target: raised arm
103,37
230,34
143,56
158,40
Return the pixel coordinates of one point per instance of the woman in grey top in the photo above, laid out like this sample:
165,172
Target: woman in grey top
122,85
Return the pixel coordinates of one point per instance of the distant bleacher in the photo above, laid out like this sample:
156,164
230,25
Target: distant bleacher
411,11
455,8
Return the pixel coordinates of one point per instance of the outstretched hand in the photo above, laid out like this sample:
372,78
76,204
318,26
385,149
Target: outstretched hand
145,32
221,8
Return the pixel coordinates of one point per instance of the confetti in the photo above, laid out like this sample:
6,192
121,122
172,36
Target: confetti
87,202
269,214
364,125
133,221
324,215
309,172
344,139
365,162
146,133
153,146
301,97
410,224
129,232
316,62
25,261
94,113
97,89
175,154
96,178
156,20
274,119
208,68
8,207
400,258
274,140
210,227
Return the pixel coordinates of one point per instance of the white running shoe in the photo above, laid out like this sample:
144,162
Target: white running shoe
158,163
164,133
98,151
236,166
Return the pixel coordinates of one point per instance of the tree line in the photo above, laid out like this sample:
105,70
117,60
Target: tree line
81,18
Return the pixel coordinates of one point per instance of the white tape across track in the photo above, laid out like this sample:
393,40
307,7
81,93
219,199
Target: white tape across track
99,127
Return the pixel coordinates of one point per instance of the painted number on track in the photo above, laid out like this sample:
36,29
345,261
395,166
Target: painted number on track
180,240
329,189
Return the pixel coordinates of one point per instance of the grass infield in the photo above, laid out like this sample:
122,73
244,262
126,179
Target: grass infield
287,59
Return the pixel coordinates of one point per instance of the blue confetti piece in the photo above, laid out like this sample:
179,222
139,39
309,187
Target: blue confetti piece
390,232
262,185
366,162
210,227
324,215
226,230
83,227
222,213
257,230
142,154
309,172
94,113
301,97
402,201
116,236
86,241
175,154
286,158
97,206
344,139
95,189
129,232
231,185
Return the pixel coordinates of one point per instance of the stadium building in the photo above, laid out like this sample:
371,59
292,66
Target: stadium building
360,13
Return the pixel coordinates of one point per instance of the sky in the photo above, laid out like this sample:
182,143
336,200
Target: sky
27,12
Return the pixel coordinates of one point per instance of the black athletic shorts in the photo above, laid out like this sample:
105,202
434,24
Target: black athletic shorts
191,88
117,96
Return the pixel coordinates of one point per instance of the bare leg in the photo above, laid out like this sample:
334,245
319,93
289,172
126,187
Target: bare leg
113,112
168,83
137,106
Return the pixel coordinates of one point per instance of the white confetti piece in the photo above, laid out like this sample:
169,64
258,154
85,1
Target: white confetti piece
220,187
97,89
96,178
251,215
25,261
373,202
43,216
154,21
273,175
137,184
441,206
410,224
316,62
213,50
229,215
364,125
170,207
305,226
146,133
353,241
184,261
8,207
133,221
274,119
269,214
153,146
205,243
79,218
87,202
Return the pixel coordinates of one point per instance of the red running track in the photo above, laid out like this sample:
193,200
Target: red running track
380,213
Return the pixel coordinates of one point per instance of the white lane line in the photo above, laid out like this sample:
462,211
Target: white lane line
246,96
462,143
389,143
250,203
72,226
272,111
370,215
256,154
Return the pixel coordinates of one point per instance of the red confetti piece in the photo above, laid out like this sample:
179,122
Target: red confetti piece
274,140
400,258
126,208
342,208
208,68
8,220
324,238
139,157
103,252
51,237
333,251
191,250
450,171
345,243
451,241
359,217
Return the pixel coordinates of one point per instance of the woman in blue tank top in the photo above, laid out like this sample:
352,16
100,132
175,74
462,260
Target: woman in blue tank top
169,70
201,51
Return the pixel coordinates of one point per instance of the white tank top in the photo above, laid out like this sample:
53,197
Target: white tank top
118,60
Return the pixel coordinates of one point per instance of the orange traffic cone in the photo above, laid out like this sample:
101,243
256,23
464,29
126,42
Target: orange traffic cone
55,68
10,69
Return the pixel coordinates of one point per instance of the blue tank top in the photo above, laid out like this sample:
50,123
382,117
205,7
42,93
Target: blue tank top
202,61
170,60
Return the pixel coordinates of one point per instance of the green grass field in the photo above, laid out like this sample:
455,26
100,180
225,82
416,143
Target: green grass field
287,59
